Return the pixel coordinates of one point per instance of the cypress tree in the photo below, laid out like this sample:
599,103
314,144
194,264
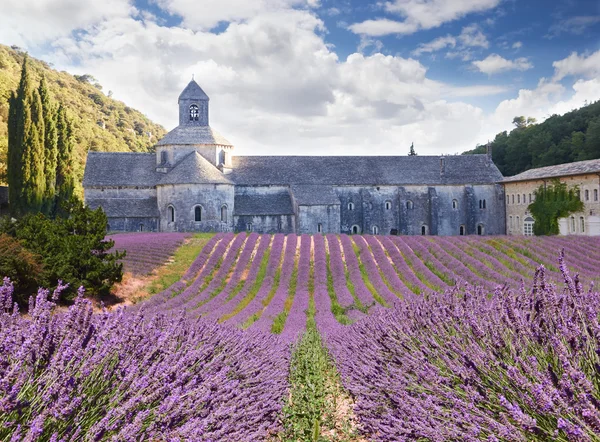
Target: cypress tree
16,131
65,179
50,147
33,153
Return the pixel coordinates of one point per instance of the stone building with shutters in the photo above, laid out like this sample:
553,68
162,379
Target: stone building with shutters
519,190
193,182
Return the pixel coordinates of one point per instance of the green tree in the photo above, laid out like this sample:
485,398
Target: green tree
65,178
16,134
592,139
72,248
50,147
552,202
33,153
412,152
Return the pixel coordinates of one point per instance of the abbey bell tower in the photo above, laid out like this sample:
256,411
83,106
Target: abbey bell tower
193,106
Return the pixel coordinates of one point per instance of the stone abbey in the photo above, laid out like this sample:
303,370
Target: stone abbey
194,182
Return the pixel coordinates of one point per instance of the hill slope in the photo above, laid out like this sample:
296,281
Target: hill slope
101,123
574,136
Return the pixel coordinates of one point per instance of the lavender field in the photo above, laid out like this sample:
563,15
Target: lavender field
146,251
263,337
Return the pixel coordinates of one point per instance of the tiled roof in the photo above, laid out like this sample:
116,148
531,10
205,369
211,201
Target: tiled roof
364,170
314,195
577,168
194,169
126,207
267,204
120,169
193,135
193,91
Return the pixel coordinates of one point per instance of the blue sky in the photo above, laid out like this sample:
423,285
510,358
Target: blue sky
329,76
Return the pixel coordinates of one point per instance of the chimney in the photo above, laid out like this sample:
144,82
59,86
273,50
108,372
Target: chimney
442,167
488,151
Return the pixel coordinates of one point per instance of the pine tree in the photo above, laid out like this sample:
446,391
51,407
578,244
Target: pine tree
65,179
50,148
412,152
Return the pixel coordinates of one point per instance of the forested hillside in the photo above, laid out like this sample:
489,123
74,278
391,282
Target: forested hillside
100,123
574,136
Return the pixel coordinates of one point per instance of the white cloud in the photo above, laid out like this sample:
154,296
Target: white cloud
494,64
573,25
472,36
578,65
206,14
383,26
517,45
421,14
32,22
435,45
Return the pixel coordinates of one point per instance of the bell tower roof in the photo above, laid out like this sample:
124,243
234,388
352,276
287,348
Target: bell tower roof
193,91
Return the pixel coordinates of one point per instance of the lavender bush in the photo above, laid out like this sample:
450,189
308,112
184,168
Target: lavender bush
129,377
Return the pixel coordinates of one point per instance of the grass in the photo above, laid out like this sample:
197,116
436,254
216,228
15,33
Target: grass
312,410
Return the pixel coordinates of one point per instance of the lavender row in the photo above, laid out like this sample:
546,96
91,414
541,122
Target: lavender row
296,319
338,272
277,303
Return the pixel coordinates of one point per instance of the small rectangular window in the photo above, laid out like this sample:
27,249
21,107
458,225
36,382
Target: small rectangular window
513,198
595,194
530,197
519,199
587,195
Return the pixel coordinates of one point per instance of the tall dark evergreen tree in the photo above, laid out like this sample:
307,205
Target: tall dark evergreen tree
33,153
65,178
50,147
412,152
16,133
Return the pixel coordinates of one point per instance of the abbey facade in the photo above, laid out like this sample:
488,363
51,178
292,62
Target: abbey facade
194,182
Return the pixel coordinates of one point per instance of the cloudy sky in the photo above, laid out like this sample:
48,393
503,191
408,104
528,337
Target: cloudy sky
328,77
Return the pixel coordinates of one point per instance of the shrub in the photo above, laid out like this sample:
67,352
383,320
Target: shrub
21,266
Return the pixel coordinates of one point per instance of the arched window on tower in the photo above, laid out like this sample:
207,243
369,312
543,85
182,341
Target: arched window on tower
350,206
198,214
410,205
388,205
194,113
171,214
163,157
224,213
455,204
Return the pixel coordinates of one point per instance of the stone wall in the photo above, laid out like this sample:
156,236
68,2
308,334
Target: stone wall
265,223
414,210
132,224
586,222
184,198
310,217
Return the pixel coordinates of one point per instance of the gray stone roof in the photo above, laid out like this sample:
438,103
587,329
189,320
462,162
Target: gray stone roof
266,204
120,169
364,170
577,168
314,195
126,207
193,91
193,135
194,169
